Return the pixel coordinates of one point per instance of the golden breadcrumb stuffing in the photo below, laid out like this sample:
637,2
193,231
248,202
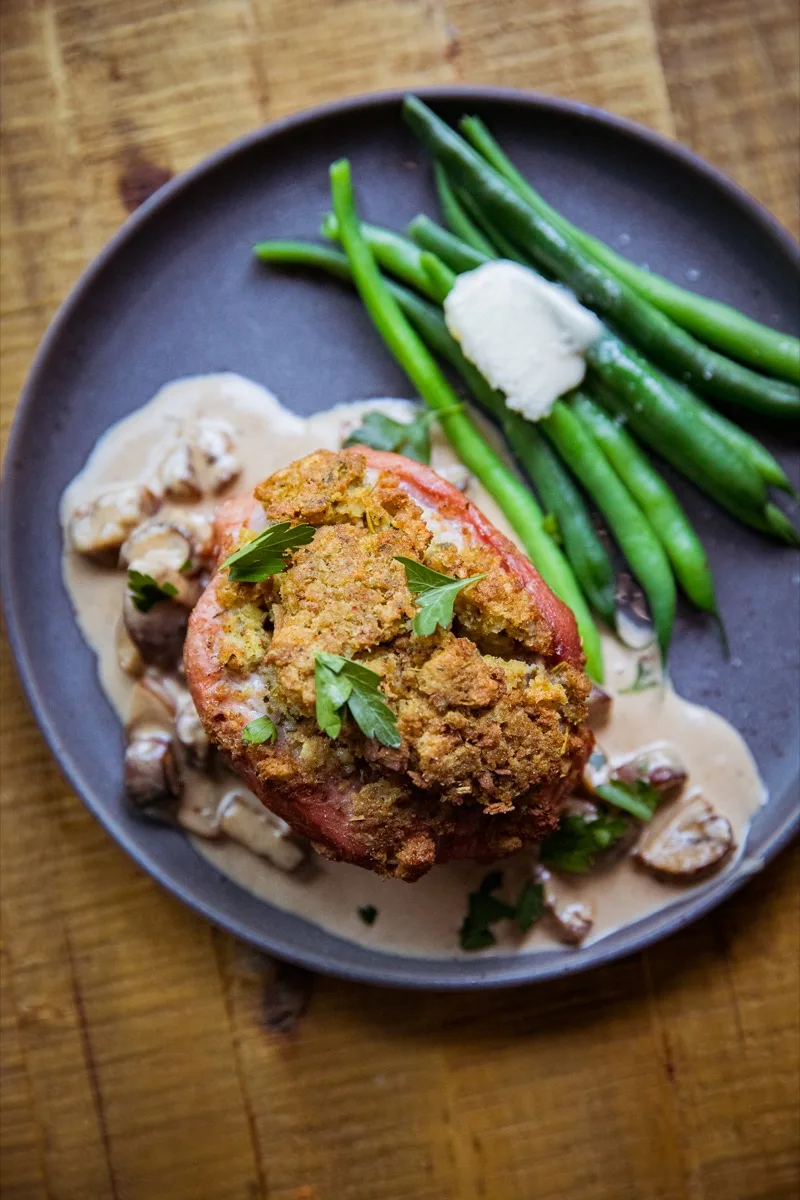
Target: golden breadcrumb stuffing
487,723
344,593
244,641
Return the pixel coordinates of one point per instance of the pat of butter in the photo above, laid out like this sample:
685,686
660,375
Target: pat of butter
526,336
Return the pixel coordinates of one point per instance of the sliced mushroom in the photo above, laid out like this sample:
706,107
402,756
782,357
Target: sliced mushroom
572,922
200,528
200,802
99,527
160,632
156,545
152,704
175,475
152,778
190,732
163,550
696,840
128,657
634,623
201,461
244,818
599,705
660,767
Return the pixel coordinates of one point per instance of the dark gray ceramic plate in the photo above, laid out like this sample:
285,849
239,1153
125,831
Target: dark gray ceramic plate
176,293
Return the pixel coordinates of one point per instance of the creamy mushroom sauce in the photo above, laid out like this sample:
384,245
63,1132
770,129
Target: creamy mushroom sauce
423,919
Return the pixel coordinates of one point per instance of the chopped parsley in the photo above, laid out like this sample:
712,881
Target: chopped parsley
259,731
647,676
485,909
637,798
340,681
185,566
380,432
368,913
530,906
145,592
578,840
265,554
435,595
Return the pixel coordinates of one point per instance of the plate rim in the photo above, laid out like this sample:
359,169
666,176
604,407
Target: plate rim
390,969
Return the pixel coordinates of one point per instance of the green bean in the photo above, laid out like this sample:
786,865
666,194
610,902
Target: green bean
304,254
395,253
441,277
713,322
513,497
454,252
667,342
742,442
631,529
455,216
657,501
766,518
781,526
553,482
422,314
672,418
499,243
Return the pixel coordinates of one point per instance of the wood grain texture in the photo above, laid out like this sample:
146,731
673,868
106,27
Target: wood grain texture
146,1056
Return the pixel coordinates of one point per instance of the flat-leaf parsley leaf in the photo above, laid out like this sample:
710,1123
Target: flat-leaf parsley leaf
531,905
435,595
384,433
265,554
340,681
577,841
259,731
647,676
485,909
145,592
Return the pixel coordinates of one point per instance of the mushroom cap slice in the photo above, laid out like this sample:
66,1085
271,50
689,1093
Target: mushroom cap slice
245,819
201,461
152,780
156,543
600,704
100,526
696,840
571,922
127,652
574,921
659,766
190,731
158,633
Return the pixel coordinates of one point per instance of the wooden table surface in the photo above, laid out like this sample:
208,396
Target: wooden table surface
144,1054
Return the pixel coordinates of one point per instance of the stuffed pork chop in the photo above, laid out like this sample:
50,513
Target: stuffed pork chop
387,709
